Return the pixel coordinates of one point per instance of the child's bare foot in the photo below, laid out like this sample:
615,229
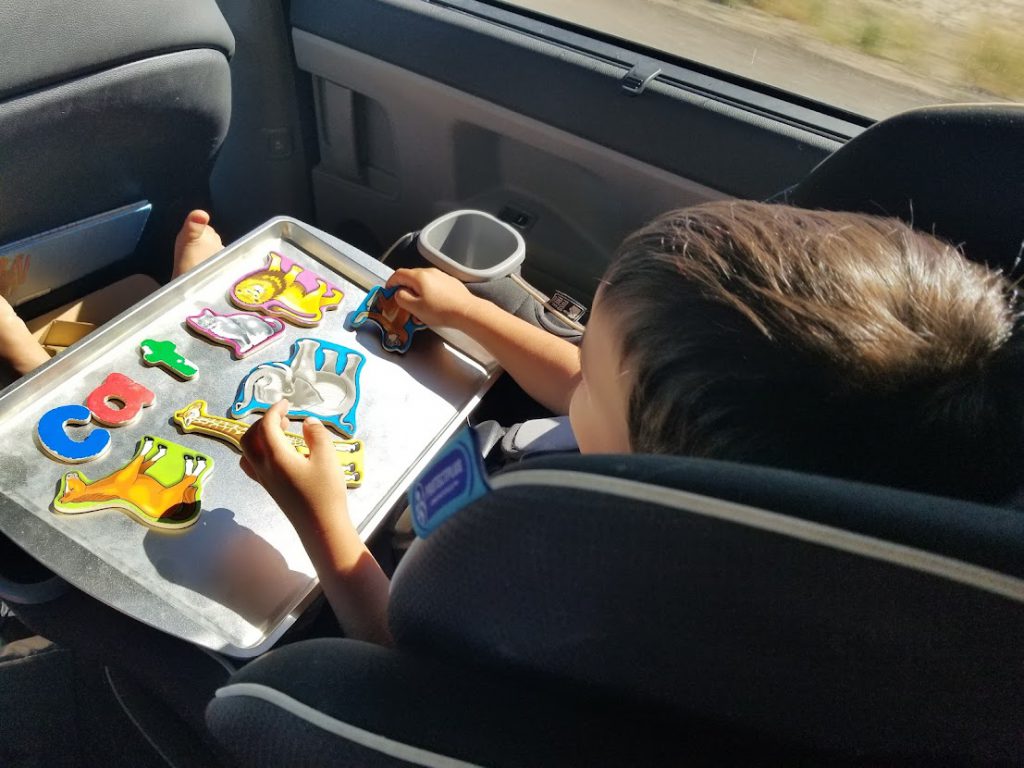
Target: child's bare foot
17,346
196,242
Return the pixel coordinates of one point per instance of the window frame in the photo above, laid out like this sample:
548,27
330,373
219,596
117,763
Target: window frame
534,70
700,79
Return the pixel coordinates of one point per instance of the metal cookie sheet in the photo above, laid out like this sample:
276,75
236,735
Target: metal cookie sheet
237,579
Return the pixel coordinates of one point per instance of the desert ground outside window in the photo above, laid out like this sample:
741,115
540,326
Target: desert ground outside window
870,57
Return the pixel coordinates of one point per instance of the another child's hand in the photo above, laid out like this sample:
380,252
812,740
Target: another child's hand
309,489
434,297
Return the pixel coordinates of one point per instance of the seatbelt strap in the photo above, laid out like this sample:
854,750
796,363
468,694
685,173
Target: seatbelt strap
548,435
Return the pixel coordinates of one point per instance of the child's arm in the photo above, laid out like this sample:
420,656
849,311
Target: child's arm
17,347
547,367
311,492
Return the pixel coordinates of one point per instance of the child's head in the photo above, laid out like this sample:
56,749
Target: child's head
838,343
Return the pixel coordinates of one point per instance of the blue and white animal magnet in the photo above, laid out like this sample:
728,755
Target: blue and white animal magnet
320,379
51,432
396,325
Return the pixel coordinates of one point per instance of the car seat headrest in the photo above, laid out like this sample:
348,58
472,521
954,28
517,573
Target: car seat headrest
954,170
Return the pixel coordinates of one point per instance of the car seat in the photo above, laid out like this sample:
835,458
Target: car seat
956,171
627,610
632,610
106,108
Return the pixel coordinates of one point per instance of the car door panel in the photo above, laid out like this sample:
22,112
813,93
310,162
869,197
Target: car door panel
422,108
432,148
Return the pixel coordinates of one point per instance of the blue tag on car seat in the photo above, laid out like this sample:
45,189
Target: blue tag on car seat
454,479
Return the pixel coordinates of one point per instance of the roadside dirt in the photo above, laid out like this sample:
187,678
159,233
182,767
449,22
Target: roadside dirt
781,52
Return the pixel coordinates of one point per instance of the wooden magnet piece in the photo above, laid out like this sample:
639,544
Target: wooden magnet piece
286,290
244,332
162,486
166,355
396,325
51,432
118,388
195,418
320,379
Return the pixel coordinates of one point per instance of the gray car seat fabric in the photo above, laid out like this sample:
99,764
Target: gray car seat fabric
342,702
58,40
104,104
549,435
835,615
144,130
954,170
662,610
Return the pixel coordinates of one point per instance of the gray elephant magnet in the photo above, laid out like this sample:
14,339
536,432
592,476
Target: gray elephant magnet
320,379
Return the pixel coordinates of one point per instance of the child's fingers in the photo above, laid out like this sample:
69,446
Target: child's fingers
272,428
400,278
264,442
320,443
409,280
247,468
407,300
253,448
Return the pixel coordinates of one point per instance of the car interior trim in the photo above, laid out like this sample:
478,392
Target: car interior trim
872,547
97,241
688,74
767,149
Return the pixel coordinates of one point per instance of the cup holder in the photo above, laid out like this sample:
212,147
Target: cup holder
472,245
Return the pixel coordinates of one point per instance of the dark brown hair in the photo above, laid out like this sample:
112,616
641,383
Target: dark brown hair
839,343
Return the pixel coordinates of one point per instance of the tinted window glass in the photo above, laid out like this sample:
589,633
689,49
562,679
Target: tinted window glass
871,57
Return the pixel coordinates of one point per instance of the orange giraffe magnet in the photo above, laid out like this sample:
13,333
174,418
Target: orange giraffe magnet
195,418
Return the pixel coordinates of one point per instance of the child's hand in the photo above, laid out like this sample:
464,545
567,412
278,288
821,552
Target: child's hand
434,297
309,489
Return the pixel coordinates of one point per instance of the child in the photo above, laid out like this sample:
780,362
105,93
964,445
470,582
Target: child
195,242
835,343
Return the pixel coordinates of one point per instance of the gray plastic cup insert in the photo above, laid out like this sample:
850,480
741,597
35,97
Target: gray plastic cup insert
473,246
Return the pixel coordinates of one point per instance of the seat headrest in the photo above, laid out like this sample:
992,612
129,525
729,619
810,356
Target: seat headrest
954,170
814,609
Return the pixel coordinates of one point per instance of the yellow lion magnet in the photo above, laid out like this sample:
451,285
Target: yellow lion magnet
286,290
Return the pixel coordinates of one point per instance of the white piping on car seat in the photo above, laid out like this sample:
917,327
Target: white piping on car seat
817,533
346,731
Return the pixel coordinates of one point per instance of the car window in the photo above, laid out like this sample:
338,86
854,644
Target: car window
870,57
